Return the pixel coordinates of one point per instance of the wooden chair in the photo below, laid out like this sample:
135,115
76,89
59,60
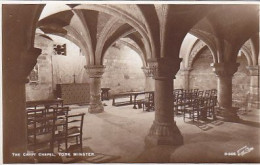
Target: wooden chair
200,94
204,106
71,135
212,105
213,92
179,104
40,131
148,102
207,93
177,91
195,90
194,110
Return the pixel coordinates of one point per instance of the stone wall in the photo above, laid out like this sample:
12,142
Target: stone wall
55,69
201,75
66,67
241,82
123,71
203,78
178,82
42,89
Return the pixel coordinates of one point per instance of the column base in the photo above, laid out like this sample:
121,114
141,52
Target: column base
164,134
96,108
229,114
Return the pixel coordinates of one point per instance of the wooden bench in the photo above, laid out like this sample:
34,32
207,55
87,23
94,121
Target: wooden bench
44,103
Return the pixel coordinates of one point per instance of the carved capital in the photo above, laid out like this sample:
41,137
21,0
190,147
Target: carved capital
147,71
224,69
253,70
164,67
95,71
29,60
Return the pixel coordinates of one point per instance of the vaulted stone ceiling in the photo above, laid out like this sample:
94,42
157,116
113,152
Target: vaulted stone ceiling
225,30
158,30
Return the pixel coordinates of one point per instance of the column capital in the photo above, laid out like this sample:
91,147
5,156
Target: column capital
147,71
28,61
224,69
164,67
253,70
95,71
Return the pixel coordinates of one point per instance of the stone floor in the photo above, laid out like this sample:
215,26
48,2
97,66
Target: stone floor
120,131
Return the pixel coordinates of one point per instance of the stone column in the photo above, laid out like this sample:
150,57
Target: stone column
149,81
186,77
253,98
164,130
95,73
14,109
225,72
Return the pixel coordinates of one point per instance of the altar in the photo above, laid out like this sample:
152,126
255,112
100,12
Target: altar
74,93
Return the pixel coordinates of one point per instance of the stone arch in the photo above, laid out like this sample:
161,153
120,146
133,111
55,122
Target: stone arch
86,44
117,36
85,30
254,42
120,14
71,34
209,42
246,51
103,37
75,41
197,48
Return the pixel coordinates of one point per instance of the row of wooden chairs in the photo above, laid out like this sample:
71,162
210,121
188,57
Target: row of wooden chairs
189,100
201,108
47,127
200,93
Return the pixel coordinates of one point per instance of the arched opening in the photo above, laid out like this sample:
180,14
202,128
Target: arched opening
122,129
123,70
201,75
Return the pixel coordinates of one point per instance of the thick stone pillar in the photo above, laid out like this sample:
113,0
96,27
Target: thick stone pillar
18,59
186,77
149,81
225,72
164,130
95,73
14,111
253,98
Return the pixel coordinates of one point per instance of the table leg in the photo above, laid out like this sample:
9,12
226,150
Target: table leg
113,102
134,102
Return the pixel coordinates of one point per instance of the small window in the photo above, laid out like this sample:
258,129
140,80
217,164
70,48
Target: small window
59,49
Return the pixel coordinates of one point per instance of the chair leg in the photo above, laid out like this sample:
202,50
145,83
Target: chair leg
66,145
81,145
184,115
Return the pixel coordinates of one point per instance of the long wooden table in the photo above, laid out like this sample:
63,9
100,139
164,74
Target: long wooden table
132,98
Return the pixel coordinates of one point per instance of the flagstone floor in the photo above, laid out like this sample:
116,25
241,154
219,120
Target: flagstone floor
120,132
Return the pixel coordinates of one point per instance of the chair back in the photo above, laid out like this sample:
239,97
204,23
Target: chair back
73,130
213,92
40,130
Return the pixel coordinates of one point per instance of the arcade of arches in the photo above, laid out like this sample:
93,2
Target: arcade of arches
130,48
